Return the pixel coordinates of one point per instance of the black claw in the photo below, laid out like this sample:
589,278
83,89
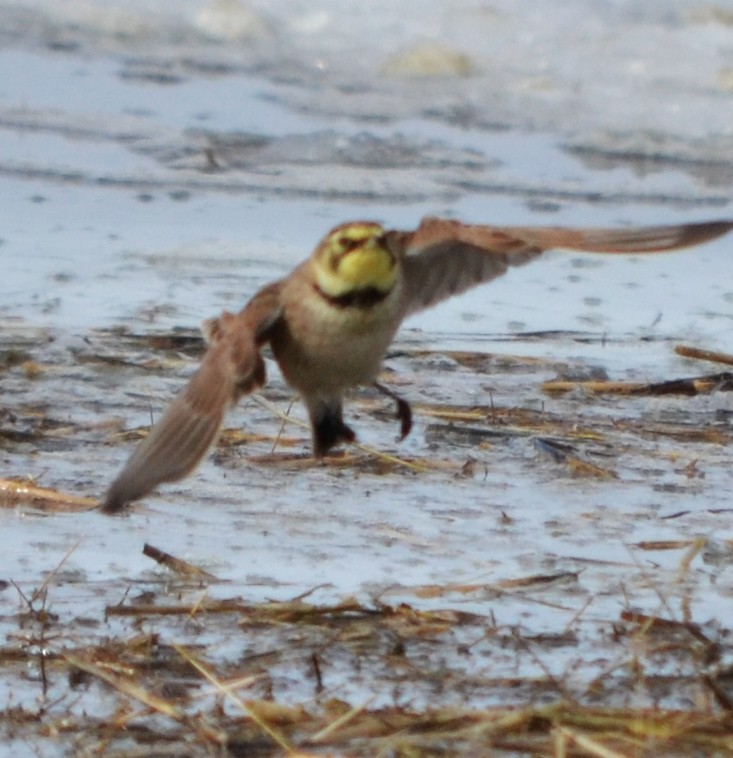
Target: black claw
404,414
404,411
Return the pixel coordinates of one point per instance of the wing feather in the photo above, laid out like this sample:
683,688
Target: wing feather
444,257
231,367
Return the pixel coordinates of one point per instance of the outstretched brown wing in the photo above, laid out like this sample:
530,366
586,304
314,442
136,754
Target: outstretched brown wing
444,257
231,367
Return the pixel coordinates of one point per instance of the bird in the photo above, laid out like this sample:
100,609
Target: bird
330,322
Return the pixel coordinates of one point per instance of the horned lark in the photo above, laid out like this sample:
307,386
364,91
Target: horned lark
331,320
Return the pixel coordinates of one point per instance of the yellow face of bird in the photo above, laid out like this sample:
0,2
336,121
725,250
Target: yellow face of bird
352,258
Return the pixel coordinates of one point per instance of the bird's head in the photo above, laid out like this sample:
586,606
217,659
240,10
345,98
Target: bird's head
354,258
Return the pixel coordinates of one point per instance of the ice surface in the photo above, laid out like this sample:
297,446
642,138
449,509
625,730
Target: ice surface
160,162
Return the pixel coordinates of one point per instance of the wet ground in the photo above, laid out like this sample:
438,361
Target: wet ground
524,547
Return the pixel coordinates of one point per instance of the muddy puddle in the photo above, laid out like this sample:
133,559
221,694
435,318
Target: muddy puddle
544,564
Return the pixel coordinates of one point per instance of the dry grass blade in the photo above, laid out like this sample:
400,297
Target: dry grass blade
431,591
40,591
127,687
227,692
697,545
130,688
427,591
298,612
393,459
591,746
233,437
203,606
561,386
452,413
722,698
14,492
286,418
177,565
278,439
340,722
580,468
704,355
148,699
541,580
656,623
689,387
664,544
563,453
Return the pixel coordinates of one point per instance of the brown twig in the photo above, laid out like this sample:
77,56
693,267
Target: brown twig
177,565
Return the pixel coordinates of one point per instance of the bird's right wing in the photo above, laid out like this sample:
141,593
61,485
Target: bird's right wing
232,366
443,257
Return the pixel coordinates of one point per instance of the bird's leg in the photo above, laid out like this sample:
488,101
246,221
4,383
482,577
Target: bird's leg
404,412
328,427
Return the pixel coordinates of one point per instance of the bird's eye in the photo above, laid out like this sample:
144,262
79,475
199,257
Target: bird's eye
346,243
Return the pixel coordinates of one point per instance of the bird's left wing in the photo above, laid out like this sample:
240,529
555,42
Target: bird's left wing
444,257
232,366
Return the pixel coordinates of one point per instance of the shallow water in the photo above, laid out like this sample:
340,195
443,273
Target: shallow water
154,171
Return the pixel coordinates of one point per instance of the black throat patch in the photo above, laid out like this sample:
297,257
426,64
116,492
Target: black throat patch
363,298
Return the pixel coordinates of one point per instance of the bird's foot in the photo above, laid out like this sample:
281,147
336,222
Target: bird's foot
329,431
404,411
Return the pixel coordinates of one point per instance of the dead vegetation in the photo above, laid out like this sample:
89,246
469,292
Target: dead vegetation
174,666
149,693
